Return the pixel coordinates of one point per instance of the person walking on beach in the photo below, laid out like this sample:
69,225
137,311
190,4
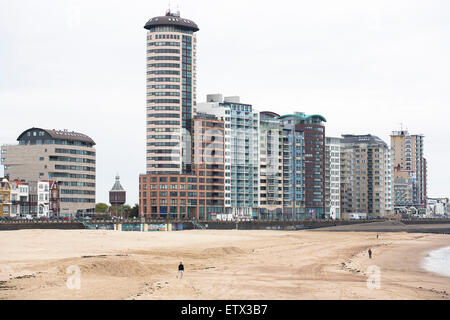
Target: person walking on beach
370,254
180,271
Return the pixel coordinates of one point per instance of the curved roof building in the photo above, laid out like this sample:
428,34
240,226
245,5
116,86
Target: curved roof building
34,135
171,92
67,157
171,20
300,117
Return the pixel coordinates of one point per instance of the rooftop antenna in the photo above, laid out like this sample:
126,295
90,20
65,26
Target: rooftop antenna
178,10
168,10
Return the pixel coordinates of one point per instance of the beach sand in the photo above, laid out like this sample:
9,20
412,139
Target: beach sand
219,264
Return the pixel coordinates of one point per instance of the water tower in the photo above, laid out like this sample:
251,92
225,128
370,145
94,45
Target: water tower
117,195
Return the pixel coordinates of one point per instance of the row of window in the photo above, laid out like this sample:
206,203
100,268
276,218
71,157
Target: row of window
174,58
77,184
164,44
163,165
82,200
168,101
183,194
74,151
164,151
163,115
164,136
163,65
176,72
165,108
70,175
163,158
162,144
71,159
164,123
167,36
169,29
164,51
77,168
163,130
68,191
163,79
55,141
164,86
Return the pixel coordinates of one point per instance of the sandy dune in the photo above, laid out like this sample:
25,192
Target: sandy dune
225,264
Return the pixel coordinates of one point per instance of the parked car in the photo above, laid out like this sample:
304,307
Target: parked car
68,218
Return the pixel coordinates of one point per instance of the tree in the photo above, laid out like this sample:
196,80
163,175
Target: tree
134,211
101,207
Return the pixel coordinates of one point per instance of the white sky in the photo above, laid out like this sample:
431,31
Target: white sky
366,66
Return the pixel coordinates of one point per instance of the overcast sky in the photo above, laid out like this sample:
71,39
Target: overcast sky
366,66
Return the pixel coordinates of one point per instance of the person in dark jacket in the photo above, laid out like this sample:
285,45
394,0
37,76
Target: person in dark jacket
180,271
370,254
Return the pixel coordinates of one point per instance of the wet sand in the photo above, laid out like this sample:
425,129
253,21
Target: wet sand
219,264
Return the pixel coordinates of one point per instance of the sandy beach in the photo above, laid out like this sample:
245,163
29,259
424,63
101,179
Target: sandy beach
228,264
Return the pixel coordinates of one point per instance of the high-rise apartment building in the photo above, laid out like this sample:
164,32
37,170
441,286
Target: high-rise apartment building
241,153
65,157
333,178
171,93
313,129
270,165
408,158
366,176
293,195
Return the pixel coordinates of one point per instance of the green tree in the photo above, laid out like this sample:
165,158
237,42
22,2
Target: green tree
101,207
124,208
134,211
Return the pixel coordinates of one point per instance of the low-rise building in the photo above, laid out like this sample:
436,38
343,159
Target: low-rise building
437,207
19,198
5,197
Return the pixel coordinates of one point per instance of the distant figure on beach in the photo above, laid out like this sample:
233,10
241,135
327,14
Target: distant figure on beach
180,271
370,254
377,236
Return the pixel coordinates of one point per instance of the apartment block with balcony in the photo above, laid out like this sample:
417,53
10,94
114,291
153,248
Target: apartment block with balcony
408,160
293,195
366,176
333,178
270,165
241,153
313,129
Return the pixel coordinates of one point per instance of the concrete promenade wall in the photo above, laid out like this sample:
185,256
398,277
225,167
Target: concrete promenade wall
31,225
417,226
